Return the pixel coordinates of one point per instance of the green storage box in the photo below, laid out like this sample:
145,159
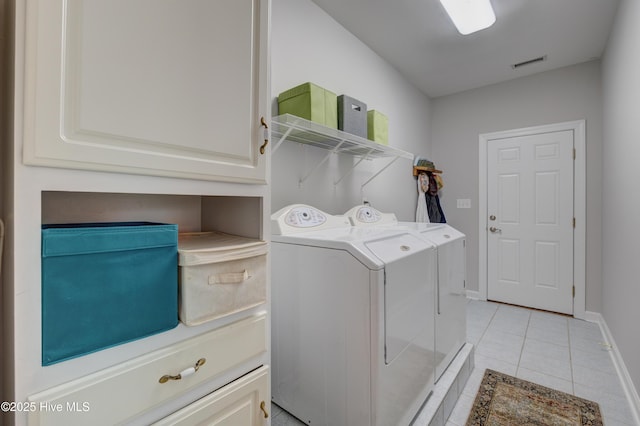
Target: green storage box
377,127
310,102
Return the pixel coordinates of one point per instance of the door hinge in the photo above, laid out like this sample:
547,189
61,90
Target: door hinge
574,291
574,153
574,222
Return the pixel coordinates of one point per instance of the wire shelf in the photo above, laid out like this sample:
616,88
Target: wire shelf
296,129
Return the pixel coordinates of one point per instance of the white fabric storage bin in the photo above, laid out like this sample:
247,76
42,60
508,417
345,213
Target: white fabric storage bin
220,274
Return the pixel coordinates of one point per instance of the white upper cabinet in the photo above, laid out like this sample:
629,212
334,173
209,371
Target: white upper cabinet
156,87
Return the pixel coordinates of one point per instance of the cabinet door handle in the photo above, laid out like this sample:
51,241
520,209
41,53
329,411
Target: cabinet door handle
264,410
266,135
184,373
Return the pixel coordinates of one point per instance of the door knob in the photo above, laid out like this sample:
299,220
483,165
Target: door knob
494,229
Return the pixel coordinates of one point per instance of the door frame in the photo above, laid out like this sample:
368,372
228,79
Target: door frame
579,205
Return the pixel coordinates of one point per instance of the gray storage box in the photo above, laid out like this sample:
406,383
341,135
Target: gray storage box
352,116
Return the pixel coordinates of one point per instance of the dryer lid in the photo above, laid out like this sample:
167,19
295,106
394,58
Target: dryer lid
442,235
393,248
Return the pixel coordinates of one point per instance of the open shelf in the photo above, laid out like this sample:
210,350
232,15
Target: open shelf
288,127
238,215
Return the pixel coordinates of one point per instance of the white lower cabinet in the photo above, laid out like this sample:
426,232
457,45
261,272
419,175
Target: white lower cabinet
245,401
118,394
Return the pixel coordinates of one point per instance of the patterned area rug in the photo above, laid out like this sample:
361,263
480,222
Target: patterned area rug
504,400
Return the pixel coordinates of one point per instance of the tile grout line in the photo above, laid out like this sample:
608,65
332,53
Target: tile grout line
526,331
573,385
488,324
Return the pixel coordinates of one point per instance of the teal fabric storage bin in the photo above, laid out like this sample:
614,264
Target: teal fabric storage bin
104,284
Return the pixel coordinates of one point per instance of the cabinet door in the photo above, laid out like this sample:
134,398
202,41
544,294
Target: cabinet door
245,401
158,87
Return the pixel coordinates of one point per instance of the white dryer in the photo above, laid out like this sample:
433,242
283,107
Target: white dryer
451,303
352,320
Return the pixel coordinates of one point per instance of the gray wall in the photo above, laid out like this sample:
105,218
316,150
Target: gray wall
309,45
566,94
621,159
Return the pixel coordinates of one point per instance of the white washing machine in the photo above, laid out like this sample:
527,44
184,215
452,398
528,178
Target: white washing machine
451,302
352,320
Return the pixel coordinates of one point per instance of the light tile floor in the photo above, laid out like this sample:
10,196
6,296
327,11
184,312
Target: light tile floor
552,350
556,351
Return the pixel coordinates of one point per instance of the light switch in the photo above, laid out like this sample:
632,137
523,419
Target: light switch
464,203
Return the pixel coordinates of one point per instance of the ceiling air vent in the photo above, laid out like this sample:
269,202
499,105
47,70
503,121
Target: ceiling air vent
529,62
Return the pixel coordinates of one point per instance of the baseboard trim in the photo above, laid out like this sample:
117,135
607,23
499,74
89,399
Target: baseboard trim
627,384
593,317
474,295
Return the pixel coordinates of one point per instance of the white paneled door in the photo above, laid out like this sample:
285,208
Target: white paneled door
530,220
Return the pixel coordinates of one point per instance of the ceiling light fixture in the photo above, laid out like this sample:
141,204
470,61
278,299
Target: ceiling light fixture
470,16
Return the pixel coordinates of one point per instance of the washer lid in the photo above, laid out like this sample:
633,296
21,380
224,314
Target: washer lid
357,241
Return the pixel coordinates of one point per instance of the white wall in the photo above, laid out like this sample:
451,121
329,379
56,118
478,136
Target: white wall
309,45
566,94
621,159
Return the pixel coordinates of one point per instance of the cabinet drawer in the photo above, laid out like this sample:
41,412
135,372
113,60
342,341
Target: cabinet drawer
245,401
118,393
